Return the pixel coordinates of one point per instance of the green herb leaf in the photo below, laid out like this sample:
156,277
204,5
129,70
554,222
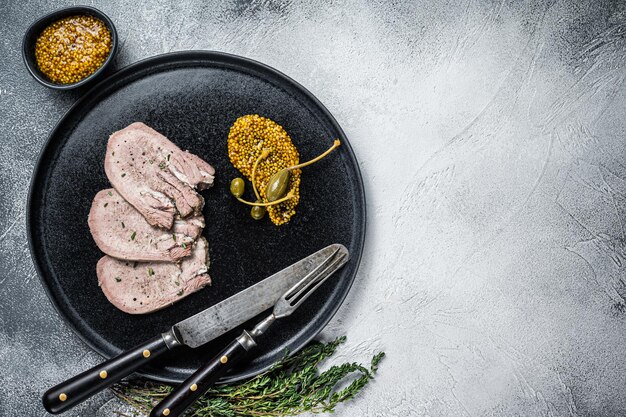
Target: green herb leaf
183,245
106,204
123,174
110,194
294,385
123,225
132,237
118,279
179,293
174,237
150,272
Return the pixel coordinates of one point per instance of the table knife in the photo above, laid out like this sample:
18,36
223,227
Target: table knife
194,331
197,384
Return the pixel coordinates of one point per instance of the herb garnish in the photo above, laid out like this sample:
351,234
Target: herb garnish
118,279
110,194
294,385
106,204
132,237
150,272
123,225
123,174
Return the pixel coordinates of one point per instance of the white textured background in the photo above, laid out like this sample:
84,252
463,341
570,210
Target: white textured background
491,136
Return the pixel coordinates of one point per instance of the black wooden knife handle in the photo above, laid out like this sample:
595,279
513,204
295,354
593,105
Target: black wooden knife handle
197,384
77,389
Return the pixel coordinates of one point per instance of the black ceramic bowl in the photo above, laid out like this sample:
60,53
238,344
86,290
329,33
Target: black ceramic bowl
30,38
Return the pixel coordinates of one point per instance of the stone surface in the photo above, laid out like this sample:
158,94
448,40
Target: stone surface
491,140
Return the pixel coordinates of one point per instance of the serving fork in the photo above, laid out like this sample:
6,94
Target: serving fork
197,384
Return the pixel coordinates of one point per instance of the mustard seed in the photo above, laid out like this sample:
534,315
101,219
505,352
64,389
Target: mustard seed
249,136
72,48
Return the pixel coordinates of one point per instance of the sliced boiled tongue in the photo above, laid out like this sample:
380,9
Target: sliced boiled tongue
122,232
154,175
144,287
149,224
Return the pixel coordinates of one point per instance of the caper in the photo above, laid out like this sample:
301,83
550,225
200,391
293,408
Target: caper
237,187
257,212
277,185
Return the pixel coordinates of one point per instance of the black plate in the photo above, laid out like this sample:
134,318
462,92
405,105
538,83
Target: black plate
193,98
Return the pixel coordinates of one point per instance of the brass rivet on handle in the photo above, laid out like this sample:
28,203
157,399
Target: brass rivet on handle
224,359
103,374
166,412
62,396
146,354
193,387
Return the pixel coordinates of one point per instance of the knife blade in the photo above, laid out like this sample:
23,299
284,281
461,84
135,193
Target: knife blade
193,331
241,307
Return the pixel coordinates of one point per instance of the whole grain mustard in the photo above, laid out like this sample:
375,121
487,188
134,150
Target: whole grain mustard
72,48
247,139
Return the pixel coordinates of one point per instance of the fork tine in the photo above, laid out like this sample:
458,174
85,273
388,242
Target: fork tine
296,295
313,279
311,276
313,285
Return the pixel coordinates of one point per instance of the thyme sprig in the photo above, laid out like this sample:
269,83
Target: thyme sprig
294,385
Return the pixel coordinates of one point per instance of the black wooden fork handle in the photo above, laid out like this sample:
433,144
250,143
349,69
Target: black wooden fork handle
197,384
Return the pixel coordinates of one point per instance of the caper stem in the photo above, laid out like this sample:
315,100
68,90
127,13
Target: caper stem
287,197
263,155
314,160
